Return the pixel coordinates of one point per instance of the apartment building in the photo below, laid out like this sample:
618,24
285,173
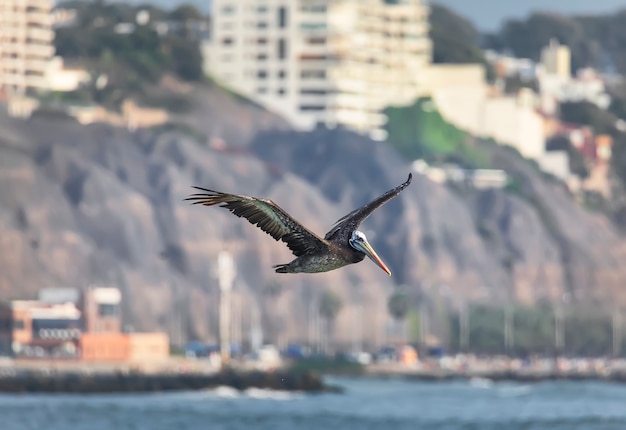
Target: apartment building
332,62
26,44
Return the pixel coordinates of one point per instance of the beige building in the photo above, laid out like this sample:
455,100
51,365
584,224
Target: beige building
381,51
462,95
333,62
26,44
556,60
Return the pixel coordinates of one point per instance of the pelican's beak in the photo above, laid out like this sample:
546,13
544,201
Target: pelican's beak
369,251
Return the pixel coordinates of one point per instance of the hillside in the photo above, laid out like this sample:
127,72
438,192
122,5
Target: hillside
98,205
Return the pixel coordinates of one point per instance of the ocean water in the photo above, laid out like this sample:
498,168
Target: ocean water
366,404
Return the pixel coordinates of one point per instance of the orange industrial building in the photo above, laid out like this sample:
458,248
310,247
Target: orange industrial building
64,323
124,347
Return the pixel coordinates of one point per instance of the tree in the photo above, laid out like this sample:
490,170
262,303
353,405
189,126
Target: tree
186,12
455,39
270,293
398,305
595,41
329,307
186,58
589,114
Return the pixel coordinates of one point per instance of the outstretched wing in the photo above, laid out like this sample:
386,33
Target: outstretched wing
266,215
350,222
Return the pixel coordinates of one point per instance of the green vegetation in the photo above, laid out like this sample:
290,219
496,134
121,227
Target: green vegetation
587,331
595,41
419,131
330,305
455,39
398,305
587,113
133,60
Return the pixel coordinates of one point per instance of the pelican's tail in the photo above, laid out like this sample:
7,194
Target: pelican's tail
281,268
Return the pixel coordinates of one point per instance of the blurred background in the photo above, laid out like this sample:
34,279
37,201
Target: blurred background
507,250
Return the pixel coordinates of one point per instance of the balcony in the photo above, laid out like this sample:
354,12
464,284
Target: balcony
40,34
40,18
41,51
37,65
12,63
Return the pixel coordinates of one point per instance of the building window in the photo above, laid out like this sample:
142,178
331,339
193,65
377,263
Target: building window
107,310
261,9
313,74
261,24
312,92
282,74
281,91
261,90
261,57
261,74
18,324
282,48
228,10
227,41
316,40
282,17
261,41
312,108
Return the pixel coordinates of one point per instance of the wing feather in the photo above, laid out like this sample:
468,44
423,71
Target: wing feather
266,215
350,222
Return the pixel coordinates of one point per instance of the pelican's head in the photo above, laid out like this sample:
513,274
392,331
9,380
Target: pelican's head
359,242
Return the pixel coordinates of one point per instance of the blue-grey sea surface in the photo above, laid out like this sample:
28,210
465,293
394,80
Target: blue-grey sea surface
366,404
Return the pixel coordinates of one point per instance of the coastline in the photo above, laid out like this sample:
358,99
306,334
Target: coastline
138,382
64,376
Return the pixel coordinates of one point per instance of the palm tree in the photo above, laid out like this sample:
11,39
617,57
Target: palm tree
270,293
398,307
329,306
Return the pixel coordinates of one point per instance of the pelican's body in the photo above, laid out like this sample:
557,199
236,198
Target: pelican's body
342,245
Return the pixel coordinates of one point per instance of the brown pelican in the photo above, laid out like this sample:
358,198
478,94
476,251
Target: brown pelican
342,245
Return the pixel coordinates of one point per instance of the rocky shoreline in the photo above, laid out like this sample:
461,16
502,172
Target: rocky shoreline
131,382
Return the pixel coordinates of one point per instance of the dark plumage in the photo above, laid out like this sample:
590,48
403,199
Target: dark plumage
341,246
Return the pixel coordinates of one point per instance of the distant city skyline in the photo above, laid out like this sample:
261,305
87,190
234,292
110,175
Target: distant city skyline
486,15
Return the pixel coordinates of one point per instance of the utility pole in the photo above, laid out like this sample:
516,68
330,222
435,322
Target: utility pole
424,329
226,276
464,327
357,321
617,333
559,341
509,338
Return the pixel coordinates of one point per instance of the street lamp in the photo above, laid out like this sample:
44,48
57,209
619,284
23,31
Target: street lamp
226,276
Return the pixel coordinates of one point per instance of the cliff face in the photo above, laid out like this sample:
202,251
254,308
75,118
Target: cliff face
99,205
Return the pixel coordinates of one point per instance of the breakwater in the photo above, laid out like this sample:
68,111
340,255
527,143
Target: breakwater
129,382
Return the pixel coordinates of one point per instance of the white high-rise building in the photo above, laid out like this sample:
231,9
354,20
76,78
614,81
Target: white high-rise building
322,61
26,44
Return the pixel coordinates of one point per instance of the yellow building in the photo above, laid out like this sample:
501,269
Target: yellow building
26,44
556,60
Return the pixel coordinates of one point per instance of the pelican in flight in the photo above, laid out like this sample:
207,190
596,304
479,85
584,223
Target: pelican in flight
344,244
